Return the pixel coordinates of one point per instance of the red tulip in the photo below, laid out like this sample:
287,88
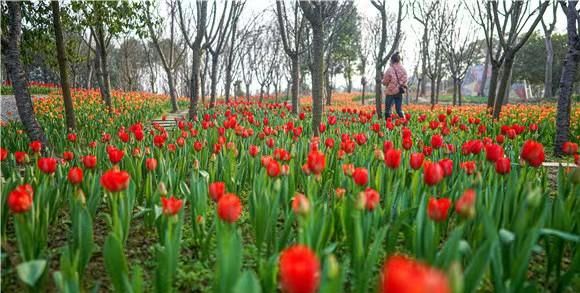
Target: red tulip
465,205
68,156
299,270
300,204
217,190
115,155
348,169
47,165
115,180
21,158
316,162
90,161
393,158
360,176
447,166
229,208
493,152
71,137
253,150
402,274
436,141
273,168
20,199
171,206
370,198
469,167
416,160
503,166
432,174
151,164
569,148
437,209
35,146
533,153
329,143
159,140
3,154
75,175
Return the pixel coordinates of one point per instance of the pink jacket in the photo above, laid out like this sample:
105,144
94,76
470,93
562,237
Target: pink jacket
390,80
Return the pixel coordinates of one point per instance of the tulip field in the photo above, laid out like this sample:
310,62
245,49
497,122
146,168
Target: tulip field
244,199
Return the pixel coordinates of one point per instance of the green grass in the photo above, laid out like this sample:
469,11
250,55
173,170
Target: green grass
34,90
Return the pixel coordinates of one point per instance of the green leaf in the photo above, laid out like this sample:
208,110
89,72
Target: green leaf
116,263
247,283
560,234
29,272
477,267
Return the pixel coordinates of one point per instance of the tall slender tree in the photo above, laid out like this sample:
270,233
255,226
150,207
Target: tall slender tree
569,72
196,50
62,66
11,53
383,55
291,32
510,22
317,13
548,29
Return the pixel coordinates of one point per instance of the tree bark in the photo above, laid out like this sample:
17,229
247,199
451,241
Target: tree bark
454,92
11,52
295,84
503,84
105,82
459,93
62,65
569,71
493,85
317,75
548,93
247,92
213,81
378,90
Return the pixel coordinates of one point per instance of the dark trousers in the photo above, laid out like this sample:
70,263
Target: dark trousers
398,100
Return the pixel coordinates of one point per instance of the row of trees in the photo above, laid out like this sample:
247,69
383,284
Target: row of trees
199,45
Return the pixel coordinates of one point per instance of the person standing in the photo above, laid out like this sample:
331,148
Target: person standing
395,82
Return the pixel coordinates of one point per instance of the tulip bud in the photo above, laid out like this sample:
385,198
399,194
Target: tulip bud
300,204
534,198
379,155
80,195
361,201
456,277
340,192
277,185
195,164
333,267
162,189
576,176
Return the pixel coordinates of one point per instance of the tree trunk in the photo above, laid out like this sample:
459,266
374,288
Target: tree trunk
433,81
493,85
548,93
509,87
317,75
503,84
295,85
459,93
247,92
172,91
62,64
454,92
363,94
569,71
105,83
420,83
11,52
214,77
378,89
89,67
328,89
195,65
228,84
484,76
261,93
